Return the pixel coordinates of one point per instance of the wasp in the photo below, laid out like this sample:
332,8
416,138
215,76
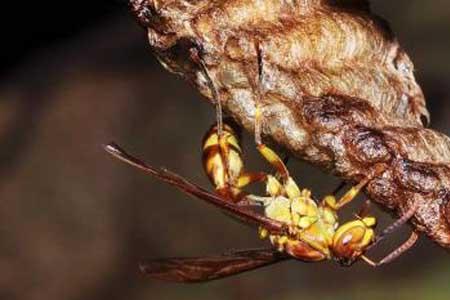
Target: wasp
297,226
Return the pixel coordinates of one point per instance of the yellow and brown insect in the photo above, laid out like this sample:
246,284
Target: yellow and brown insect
297,226
223,163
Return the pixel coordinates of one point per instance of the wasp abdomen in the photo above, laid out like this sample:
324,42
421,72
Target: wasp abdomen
222,159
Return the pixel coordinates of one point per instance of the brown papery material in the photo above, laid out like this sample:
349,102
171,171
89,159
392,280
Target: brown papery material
338,90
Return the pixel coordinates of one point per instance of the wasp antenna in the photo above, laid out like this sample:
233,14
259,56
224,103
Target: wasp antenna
394,226
401,249
197,56
396,253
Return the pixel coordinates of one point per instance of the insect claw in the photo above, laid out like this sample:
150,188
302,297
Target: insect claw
394,226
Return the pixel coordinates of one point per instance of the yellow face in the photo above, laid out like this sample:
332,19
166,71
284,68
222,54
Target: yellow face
352,239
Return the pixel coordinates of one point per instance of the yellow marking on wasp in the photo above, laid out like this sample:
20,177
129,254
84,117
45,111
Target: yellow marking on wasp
348,197
306,222
212,140
330,201
263,233
274,160
235,164
228,137
329,216
291,188
273,186
317,225
279,209
369,221
244,181
314,231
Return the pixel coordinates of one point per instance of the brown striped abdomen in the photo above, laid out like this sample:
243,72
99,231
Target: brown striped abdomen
222,160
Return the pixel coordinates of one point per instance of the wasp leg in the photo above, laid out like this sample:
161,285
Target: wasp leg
394,254
246,179
258,106
265,151
339,188
274,160
198,59
288,186
363,210
353,192
249,178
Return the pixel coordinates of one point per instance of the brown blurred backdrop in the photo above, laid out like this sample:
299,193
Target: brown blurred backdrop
74,223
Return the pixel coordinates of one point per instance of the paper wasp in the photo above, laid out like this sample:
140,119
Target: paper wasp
297,226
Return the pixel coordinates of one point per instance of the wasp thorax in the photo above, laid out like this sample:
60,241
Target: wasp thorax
352,239
279,209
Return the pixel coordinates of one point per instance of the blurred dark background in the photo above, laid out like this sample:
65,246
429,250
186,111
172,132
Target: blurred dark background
74,223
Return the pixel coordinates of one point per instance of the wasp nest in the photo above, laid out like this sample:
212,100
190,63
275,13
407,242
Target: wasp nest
336,87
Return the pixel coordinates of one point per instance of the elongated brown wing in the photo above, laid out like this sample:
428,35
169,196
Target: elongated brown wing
242,213
200,269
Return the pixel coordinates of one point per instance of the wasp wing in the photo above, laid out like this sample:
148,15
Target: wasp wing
242,213
200,269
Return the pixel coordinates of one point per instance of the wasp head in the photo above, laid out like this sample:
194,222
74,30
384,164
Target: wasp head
352,239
